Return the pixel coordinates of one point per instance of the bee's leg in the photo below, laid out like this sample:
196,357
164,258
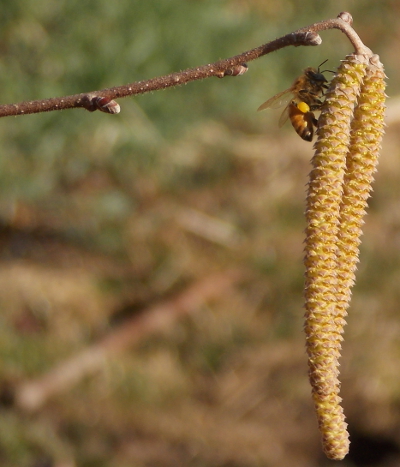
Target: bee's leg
325,87
303,93
316,105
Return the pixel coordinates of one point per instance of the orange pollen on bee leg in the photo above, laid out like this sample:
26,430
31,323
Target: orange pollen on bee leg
303,107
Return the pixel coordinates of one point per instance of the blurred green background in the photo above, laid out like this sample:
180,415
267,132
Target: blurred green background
102,216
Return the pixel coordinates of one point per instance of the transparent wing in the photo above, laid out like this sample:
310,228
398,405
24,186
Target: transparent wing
277,101
284,115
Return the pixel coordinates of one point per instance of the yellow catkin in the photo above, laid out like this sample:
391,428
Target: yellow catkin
367,130
323,326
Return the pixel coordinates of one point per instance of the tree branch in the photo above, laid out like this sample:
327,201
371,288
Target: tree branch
103,99
31,395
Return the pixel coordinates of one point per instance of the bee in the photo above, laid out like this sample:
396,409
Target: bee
302,119
302,98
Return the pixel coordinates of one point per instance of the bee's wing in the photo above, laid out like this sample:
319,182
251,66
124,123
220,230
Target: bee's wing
284,115
277,101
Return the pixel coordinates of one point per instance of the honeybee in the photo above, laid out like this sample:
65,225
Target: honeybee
302,119
302,98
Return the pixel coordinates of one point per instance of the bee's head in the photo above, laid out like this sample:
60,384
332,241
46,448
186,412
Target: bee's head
315,76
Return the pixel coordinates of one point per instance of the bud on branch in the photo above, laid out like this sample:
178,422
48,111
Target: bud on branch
234,66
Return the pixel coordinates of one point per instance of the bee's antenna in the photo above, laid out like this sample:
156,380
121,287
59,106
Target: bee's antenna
330,71
321,65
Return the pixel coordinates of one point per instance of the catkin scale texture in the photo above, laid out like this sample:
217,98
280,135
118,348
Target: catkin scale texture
323,323
351,127
365,144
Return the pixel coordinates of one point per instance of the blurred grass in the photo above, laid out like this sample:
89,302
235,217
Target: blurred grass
94,210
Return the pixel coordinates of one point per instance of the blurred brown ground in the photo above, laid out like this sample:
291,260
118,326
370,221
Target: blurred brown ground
224,385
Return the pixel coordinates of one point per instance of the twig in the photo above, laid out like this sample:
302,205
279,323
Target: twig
234,66
31,395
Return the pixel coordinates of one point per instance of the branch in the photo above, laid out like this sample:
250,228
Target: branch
103,99
31,395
